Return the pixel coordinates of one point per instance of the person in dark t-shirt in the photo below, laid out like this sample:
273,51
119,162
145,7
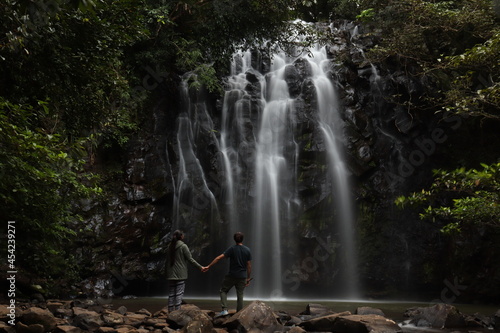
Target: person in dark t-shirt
240,270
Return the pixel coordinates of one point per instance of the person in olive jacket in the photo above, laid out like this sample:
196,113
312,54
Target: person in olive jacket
178,255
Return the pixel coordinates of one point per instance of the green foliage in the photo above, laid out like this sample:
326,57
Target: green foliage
71,56
324,10
425,31
462,199
41,177
454,43
476,90
366,15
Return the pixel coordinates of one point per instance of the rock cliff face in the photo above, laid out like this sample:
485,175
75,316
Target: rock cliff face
388,152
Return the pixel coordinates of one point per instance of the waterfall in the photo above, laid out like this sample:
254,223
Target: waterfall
328,110
261,153
270,113
192,193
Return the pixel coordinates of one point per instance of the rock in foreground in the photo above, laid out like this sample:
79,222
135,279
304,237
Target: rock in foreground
436,316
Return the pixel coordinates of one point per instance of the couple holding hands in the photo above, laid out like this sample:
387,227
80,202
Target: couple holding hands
240,269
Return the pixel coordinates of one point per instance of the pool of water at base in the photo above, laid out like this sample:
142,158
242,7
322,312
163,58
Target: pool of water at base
392,309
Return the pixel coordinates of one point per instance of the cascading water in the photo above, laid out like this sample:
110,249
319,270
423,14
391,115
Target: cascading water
262,163
260,151
330,126
192,193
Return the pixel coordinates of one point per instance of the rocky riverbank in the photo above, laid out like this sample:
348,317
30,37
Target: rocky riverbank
86,316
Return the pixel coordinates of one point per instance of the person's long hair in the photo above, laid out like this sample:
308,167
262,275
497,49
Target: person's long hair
175,237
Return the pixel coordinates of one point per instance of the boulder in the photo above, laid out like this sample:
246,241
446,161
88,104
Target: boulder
365,323
112,318
317,310
7,314
478,320
496,319
198,326
106,330
294,321
437,316
33,328
323,323
125,329
64,313
144,312
67,329
6,328
53,306
134,319
366,310
296,329
255,316
191,319
35,315
87,319
283,317
122,310
156,322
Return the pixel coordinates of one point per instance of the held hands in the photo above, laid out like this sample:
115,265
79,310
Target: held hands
204,269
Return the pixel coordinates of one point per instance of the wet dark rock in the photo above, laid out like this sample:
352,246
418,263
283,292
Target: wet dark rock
190,318
322,323
256,315
292,78
33,328
87,319
296,329
6,328
479,320
67,329
35,315
365,323
303,67
283,317
366,310
111,318
122,310
314,309
438,316
134,319
293,321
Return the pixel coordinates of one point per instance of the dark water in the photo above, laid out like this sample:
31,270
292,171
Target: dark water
392,310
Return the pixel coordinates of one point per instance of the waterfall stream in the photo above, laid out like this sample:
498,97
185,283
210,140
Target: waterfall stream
259,151
264,122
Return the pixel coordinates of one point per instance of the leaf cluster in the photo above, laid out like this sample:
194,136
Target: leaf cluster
41,177
462,199
454,43
58,51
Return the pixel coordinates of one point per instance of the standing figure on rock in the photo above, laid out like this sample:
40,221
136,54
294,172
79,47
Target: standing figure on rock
240,270
178,255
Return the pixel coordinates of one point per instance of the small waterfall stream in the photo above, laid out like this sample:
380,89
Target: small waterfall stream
192,191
